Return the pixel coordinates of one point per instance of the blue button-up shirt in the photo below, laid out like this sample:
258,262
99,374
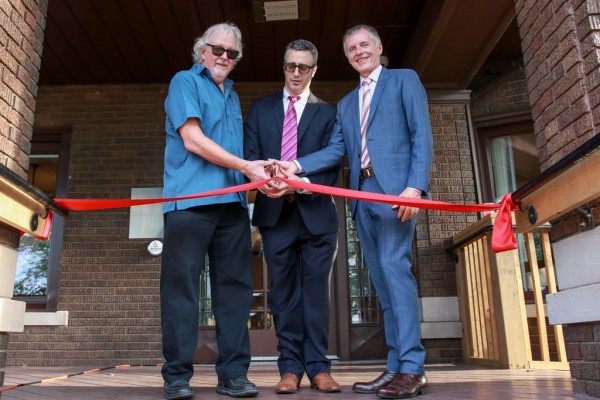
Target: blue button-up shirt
193,94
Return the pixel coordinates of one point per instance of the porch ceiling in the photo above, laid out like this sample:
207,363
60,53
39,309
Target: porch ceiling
135,41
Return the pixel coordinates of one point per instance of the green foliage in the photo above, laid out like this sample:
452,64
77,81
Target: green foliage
32,266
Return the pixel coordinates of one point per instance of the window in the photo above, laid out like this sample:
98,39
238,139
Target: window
513,161
510,160
38,262
364,304
32,262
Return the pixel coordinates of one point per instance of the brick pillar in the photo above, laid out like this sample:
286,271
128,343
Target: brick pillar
22,25
561,48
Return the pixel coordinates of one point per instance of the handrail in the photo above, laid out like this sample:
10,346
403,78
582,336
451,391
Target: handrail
572,158
478,233
30,190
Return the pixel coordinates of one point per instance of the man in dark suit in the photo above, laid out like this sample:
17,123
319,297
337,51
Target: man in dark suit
299,229
383,127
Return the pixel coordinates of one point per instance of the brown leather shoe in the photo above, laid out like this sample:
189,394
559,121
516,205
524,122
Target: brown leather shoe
404,386
323,382
376,384
289,383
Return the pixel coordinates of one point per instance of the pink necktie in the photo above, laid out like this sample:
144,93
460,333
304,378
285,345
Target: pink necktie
364,117
289,138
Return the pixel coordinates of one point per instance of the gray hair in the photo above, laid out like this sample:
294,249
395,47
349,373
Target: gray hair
225,27
354,30
303,45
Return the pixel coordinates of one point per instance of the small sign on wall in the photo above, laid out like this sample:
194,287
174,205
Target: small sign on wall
146,222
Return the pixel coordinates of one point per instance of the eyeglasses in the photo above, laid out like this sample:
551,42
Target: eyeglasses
291,67
218,51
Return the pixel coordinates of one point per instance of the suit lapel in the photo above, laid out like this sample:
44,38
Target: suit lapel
383,77
307,115
278,113
355,115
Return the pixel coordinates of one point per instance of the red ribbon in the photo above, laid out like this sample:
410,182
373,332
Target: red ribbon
503,236
105,204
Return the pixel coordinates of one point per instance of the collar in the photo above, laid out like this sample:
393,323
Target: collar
373,76
200,69
303,96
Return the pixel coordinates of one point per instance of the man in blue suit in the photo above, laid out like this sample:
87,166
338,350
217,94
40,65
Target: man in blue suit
299,230
383,127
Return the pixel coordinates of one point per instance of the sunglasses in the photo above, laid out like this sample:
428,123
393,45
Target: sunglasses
291,67
218,51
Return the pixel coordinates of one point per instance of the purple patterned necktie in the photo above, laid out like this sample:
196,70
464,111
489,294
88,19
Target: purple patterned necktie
289,138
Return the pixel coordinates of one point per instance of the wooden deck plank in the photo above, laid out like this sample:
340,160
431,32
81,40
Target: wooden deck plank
448,382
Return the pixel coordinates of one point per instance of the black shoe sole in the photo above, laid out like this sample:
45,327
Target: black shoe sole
186,396
246,393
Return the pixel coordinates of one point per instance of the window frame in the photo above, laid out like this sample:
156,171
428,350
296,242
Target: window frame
490,127
56,141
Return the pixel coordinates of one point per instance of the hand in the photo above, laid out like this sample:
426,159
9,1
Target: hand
405,212
286,168
256,170
278,188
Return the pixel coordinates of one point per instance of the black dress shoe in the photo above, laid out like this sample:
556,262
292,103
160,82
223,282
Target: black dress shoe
376,384
404,386
239,386
178,390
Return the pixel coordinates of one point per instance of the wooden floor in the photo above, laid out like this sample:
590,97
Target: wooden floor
448,382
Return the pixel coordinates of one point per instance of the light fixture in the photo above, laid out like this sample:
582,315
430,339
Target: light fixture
268,11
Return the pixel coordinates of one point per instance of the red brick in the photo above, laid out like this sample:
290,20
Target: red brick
575,333
573,351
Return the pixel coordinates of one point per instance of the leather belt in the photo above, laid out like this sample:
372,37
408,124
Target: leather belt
290,198
367,173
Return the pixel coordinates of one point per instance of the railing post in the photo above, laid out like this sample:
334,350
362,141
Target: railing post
513,331
491,300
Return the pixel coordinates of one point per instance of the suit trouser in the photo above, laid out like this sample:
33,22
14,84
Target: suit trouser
299,265
387,245
222,231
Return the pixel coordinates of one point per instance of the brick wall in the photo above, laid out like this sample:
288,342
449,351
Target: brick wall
561,48
21,35
583,351
451,181
507,94
561,54
109,283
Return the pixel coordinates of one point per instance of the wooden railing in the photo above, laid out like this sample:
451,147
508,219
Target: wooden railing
492,304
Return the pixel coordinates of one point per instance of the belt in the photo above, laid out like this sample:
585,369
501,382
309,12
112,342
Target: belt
290,198
367,173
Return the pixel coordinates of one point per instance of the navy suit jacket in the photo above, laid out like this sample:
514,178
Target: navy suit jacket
399,137
262,140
